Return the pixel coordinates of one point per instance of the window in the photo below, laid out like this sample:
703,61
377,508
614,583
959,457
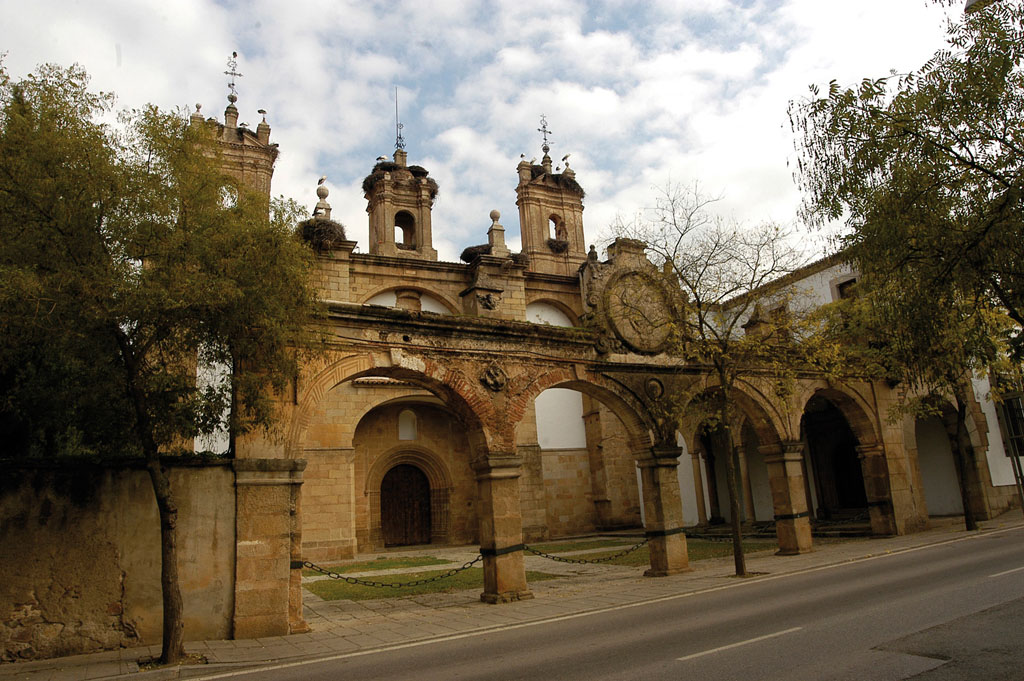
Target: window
845,289
407,425
1013,415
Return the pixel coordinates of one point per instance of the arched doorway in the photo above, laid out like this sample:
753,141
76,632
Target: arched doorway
405,506
838,476
938,467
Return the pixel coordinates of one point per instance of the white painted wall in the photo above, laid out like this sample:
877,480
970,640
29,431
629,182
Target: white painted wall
999,466
560,419
428,303
546,313
761,489
938,469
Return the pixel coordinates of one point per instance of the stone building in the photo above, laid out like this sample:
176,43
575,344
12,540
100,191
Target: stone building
504,400
511,398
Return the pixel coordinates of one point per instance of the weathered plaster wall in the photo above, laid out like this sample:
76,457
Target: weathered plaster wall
80,556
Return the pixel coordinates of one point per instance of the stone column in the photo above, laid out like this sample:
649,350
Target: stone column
268,568
501,528
789,498
663,511
876,487
698,488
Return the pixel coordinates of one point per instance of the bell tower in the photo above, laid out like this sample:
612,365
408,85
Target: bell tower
399,198
550,214
244,154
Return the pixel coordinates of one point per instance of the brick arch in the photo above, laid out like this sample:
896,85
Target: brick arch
458,394
630,411
444,299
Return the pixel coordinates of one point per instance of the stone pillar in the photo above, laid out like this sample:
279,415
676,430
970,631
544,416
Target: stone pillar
663,511
789,498
501,528
268,568
876,487
698,487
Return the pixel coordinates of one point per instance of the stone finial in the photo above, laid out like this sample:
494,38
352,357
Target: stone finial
197,115
496,237
263,129
323,209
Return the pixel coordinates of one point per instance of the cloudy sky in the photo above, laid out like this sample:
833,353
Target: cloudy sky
641,94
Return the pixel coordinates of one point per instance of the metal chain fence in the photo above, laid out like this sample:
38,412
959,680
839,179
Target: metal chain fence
583,561
391,585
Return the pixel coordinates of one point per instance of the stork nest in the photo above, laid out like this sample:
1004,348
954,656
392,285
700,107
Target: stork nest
471,253
322,234
419,174
558,245
561,179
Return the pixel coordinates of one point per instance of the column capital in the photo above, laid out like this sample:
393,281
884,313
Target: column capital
873,449
498,465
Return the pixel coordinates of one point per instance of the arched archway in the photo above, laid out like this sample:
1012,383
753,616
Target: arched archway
832,446
405,506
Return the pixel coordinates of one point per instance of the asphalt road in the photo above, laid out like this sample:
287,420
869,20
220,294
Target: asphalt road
950,611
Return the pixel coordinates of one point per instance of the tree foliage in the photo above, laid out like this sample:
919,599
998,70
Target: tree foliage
127,259
926,168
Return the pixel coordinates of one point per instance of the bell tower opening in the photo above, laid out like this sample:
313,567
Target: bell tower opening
405,231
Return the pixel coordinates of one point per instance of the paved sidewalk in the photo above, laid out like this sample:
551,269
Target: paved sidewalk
340,627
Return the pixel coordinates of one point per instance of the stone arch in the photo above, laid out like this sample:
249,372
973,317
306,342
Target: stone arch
630,411
442,298
752,406
453,389
571,314
854,409
438,477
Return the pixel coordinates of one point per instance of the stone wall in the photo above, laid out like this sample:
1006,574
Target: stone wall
80,555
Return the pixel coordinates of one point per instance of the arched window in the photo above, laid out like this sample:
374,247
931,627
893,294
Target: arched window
405,230
407,425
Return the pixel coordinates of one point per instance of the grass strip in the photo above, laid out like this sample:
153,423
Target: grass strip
581,545
473,578
381,563
698,549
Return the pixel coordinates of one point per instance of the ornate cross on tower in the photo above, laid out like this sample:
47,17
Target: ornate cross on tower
233,65
399,140
543,129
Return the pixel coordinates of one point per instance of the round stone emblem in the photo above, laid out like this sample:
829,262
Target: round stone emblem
639,312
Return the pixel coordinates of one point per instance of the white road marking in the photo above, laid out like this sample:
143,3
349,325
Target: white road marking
737,645
1007,572
588,613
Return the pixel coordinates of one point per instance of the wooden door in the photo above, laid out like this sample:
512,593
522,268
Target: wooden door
405,506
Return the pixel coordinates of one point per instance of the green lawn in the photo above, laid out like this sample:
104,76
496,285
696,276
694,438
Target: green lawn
699,549
473,578
381,563
582,545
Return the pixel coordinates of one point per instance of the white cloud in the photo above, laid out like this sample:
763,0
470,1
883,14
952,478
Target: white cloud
639,94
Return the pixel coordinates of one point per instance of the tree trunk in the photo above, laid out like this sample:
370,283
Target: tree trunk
963,455
173,644
732,481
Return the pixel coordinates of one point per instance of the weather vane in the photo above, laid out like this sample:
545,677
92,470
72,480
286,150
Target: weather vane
233,65
543,129
399,140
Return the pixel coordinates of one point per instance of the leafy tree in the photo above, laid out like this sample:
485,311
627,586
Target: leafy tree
740,321
126,258
927,169
929,341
